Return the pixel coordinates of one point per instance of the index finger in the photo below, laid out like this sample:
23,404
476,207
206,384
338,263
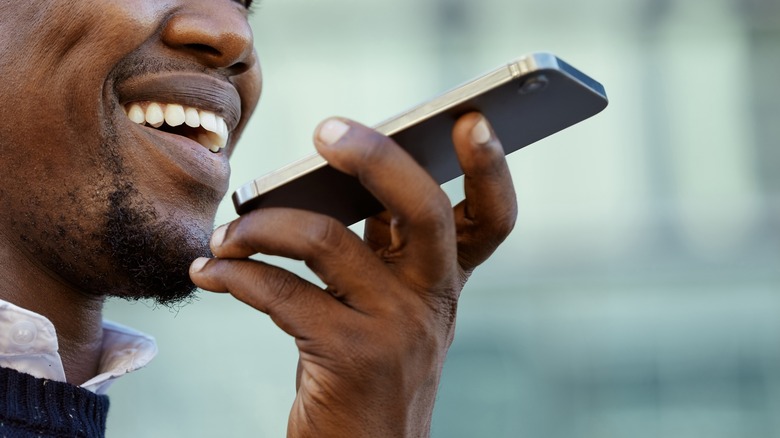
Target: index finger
422,235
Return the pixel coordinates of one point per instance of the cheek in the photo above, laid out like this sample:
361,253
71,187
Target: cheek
54,30
249,86
60,59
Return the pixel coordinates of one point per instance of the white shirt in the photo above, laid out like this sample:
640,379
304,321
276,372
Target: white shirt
28,343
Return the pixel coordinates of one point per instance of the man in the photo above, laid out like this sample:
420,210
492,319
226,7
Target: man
117,121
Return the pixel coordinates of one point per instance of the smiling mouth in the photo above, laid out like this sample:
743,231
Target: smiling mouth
201,126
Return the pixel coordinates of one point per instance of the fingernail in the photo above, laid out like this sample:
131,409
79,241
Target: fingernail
218,237
198,264
481,133
332,130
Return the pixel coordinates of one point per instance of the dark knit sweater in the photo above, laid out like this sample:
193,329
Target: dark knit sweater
33,407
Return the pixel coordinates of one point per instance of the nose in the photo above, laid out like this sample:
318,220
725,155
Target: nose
218,37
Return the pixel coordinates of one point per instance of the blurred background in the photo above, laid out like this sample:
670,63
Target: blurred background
639,294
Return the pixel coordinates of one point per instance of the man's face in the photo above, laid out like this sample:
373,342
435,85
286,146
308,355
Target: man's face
102,202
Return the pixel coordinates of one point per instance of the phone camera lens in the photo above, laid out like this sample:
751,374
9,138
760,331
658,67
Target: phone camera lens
534,84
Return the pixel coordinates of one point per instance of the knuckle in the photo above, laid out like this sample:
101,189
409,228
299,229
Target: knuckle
491,160
244,273
505,223
376,148
495,155
265,289
239,234
284,285
437,202
494,223
434,210
325,235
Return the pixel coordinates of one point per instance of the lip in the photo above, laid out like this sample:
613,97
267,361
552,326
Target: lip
191,89
186,155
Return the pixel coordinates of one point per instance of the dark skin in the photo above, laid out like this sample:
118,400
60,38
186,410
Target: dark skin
372,346
76,170
372,343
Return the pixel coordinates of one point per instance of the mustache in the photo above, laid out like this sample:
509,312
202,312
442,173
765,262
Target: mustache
137,64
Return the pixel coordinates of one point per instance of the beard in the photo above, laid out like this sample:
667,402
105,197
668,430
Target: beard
152,254
134,255
109,240
131,252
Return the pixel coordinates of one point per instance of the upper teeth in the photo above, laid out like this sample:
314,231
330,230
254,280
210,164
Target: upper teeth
155,114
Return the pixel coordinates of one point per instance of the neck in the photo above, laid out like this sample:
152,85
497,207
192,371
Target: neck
76,316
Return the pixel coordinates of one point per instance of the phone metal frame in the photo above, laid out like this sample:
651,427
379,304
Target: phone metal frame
529,70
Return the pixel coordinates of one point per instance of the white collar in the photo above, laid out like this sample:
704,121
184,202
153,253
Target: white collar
28,343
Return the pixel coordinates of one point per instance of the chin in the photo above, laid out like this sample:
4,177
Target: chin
152,253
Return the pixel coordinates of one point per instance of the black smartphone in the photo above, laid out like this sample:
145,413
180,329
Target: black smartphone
526,100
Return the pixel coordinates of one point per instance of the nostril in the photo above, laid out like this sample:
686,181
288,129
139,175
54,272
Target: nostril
204,48
211,52
215,40
240,67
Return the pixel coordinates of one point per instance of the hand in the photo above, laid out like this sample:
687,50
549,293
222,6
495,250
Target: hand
372,343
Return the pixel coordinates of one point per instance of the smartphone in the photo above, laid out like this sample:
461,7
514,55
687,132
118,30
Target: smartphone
526,100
